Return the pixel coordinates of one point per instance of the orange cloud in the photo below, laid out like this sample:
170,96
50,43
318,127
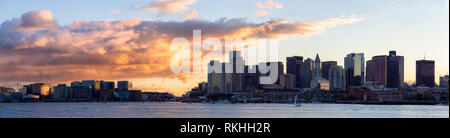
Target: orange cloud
121,49
261,13
191,15
164,7
269,5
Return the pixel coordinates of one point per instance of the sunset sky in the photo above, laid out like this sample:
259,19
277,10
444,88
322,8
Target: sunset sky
59,41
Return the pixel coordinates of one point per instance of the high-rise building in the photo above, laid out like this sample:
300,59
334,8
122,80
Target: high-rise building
425,73
320,84
293,67
216,80
287,81
107,85
306,73
336,77
251,78
237,76
395,70
443,81
377,71
41,89
326,66
354,69
236,59
231,77
124,86
317,71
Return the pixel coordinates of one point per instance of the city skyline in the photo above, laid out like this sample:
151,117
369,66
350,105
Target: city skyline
121,48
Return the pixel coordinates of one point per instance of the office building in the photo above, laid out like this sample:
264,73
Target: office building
336,77
326,65
317,70
395,70
443,81
377,71
306,73
425,73
293,65
287,81
124,86
354,69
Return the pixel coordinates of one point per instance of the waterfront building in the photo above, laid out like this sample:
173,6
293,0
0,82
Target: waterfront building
287,81
320,84
251,78
216,79
336,77
124,85
317,70
354,69
425,73
293,65
60,92
306,73
377,71
107,85
395,70
42,89
443,81
326,65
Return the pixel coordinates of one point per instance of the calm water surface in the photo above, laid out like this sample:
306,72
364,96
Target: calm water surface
198,110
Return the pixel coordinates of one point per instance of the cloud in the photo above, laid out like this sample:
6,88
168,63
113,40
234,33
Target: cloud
164,7
114,13
269,5
121,49
36,20
191,15
261,13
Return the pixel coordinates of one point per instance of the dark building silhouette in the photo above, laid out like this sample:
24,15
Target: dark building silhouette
293,65
306,73
326,66
395,70
376,71
425,73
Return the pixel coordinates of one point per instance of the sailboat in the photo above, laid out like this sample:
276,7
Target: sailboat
295,101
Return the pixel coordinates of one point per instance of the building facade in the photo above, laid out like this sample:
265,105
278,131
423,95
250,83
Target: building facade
425,73
336,77
377,71
354,69
326,66
395,70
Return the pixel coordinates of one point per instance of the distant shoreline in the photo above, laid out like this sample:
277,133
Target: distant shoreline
340,102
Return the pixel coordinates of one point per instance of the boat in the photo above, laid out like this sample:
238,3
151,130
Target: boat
295,101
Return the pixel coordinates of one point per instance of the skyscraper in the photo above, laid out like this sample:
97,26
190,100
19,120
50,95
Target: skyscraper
326,66
354,69
377,71
306,73
317,71
425,73
293,67
443,81
395,70
336,77
237,76
124,86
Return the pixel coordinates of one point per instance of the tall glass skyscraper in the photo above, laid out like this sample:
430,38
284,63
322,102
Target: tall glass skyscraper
354,69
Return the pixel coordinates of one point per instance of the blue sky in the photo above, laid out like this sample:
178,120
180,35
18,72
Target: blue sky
412,27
